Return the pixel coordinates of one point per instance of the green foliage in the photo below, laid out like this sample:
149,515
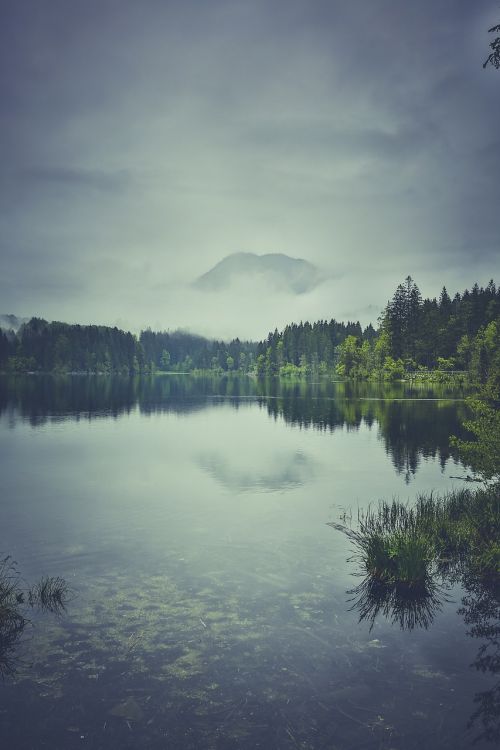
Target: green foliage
401,319
261,365
305,348
436,333
349,357
403,545
21,364
393,369
291,371
410,555
61,348
445,364
415,336
185,352
164,360
483,453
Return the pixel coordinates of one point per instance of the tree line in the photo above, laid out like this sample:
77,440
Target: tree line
182,352
414,336
303,348
61,347
40,346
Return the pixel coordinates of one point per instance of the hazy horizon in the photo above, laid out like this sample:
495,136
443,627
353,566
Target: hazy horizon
238,290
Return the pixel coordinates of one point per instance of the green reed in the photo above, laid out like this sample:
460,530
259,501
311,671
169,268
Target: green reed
396,543
49,594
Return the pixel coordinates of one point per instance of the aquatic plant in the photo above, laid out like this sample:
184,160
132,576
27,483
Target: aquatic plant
396,543
50,594
409,554
392,544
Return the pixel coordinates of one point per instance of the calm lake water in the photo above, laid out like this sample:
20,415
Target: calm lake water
209,605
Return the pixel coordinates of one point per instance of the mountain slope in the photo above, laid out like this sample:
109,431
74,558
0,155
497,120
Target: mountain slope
287,274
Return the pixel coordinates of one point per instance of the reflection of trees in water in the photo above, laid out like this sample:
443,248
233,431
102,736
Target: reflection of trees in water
410,555
40,399
412,428
414,607
413,431
481,612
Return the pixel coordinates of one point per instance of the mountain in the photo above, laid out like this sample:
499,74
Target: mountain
287,274
11,322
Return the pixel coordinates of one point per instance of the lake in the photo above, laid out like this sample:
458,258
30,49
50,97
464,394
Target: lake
209,604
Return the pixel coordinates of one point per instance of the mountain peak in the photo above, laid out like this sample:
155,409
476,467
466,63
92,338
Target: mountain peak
293,275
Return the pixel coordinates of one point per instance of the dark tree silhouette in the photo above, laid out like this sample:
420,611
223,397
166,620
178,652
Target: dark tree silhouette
494,56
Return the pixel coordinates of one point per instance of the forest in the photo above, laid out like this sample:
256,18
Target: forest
415,336
40,346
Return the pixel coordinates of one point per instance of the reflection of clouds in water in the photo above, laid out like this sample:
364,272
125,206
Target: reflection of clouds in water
280,471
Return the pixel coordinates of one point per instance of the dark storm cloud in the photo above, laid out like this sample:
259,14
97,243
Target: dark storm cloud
142,142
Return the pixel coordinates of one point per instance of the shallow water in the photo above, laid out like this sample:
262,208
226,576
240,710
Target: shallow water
209,605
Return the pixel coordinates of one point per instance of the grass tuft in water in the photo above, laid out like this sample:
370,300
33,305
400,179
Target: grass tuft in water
50,594
407,545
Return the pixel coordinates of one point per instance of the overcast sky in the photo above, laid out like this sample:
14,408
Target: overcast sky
141,142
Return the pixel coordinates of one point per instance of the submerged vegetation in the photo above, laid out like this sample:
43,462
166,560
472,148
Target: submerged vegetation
49,594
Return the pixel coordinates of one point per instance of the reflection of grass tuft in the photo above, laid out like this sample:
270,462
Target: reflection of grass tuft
50,594
406,553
